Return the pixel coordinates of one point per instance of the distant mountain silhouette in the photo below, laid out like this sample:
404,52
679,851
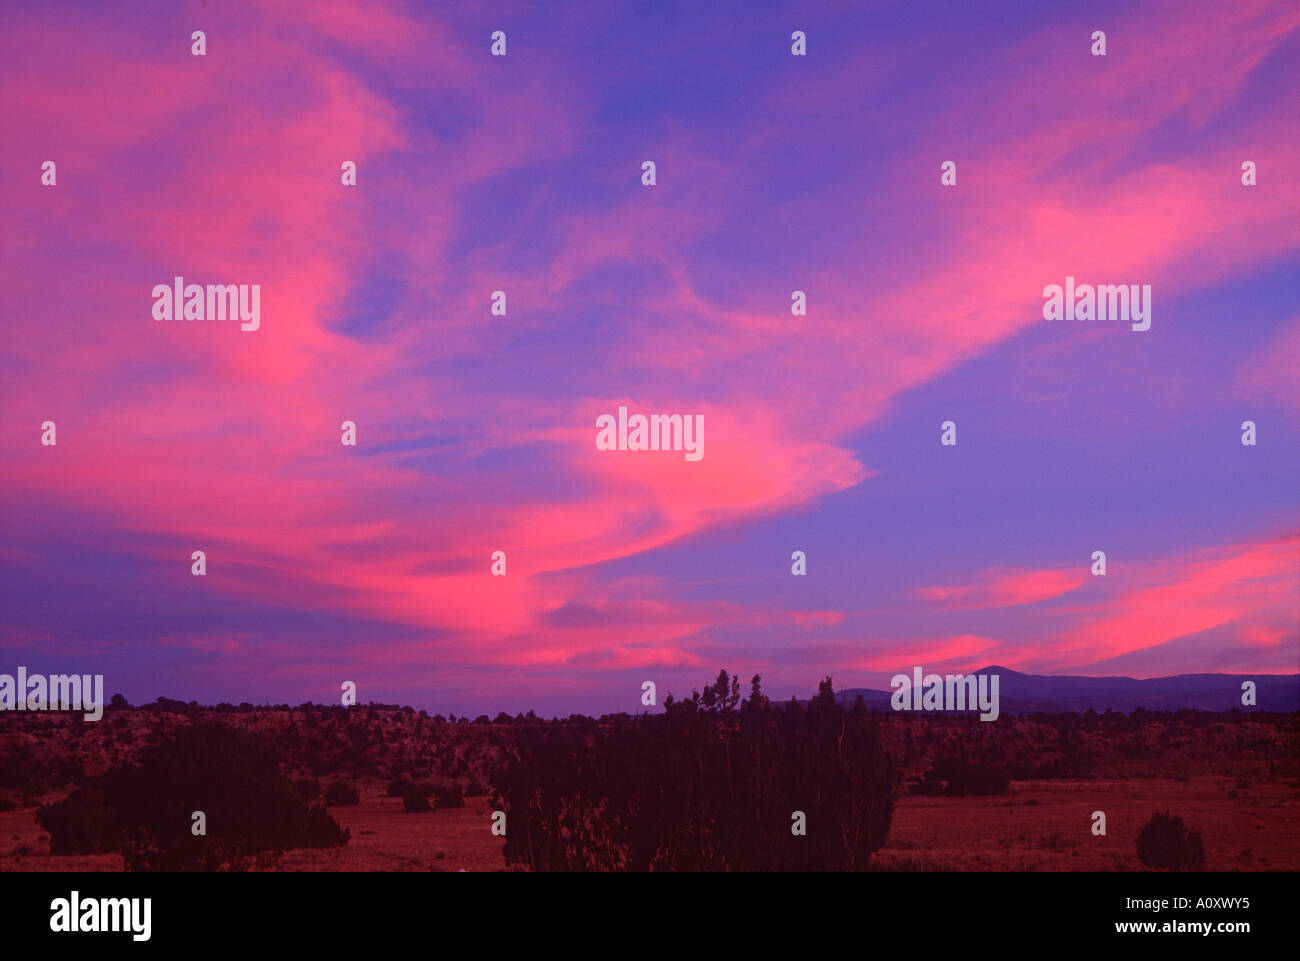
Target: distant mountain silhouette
1062,693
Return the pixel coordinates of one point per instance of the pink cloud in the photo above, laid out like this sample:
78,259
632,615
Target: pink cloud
1270,375
1005,587
234,447
1249,588
959,652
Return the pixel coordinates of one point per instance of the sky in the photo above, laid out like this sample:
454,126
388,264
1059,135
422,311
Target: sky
476,432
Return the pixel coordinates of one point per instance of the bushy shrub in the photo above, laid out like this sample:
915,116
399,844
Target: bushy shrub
81,823
253,812
341,794
414,796
401,787
448,795
415,802
323,831
1169,844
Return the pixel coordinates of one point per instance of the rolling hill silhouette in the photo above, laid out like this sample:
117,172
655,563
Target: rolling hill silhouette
1062,693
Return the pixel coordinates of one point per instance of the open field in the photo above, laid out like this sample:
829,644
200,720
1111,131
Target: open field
1037,826
1046,826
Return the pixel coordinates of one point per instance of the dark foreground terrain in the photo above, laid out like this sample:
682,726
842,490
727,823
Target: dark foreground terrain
394,789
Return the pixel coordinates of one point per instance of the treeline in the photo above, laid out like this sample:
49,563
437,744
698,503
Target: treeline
167,705
1091,721
713,783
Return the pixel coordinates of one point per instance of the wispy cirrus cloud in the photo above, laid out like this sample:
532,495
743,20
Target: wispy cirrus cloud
1001,587
476,432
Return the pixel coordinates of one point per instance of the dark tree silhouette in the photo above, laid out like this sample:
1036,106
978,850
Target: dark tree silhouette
709,784
253,811
1167,843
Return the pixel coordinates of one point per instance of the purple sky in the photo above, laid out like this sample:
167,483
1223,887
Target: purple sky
476,433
